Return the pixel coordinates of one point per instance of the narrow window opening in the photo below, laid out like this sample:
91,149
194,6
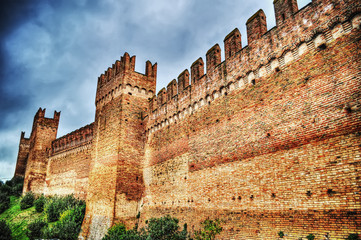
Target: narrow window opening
322,47
283,17
253,82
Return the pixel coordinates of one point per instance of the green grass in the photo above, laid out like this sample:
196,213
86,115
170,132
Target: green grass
18,219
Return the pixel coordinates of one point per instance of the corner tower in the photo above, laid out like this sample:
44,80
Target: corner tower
116,180
23,154
42,135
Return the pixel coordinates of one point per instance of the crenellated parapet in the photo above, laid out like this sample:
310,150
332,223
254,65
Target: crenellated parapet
122,78
268,52
72,140
41,120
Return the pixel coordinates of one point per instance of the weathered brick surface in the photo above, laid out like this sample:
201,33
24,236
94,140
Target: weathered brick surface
267,140
69,162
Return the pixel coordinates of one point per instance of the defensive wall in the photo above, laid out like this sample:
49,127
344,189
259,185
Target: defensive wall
266,140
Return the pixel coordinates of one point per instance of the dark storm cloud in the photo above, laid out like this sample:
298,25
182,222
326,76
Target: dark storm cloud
52,52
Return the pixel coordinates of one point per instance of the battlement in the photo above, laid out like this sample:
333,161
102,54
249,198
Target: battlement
23,138
267,53
122,78
74,139
40,119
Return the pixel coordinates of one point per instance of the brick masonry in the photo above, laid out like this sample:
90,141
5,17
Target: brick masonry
267,140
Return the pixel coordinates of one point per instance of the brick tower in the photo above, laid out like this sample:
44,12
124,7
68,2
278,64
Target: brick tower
116,181
23,154
43,133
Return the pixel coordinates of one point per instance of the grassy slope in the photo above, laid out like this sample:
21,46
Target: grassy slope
18,219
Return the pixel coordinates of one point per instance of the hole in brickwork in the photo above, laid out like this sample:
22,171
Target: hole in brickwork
277,69
283,17
239,198
209,103
251,197
217,121
253,82
209,199
136,178
348,109
268,134
185,178
330,192
306,79
225,94
309,193
233,198
322,47
130,93
273,195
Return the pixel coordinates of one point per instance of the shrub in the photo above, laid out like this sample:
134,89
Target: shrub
27,201
60,204
5,231
115,232
353,236
70,211
310,236
281,234
34,230
63,231
39,204
210,229
16,185
6,189
165,228
4,202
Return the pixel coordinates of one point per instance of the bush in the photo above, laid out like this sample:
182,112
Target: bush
5,231
165,228
310,236
60,204
63,231
353,236
27,201
115,232
4,202
39,204
210,229
70,211
281,234
6,189
34,230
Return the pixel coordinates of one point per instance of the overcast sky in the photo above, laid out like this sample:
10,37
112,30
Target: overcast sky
52,52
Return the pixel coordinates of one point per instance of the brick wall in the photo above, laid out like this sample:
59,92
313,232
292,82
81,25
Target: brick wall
267,140
280,155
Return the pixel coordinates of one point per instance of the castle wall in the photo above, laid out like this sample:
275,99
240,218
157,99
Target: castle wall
267,140
279,154
69,163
